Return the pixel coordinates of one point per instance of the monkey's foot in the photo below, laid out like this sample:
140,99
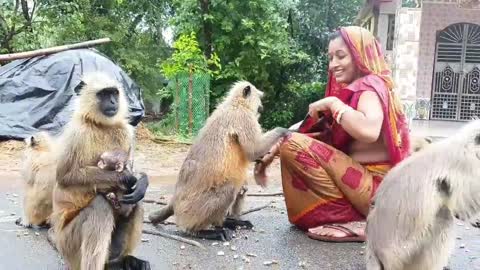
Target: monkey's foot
20,222
128,263
132,263
233,224
219,234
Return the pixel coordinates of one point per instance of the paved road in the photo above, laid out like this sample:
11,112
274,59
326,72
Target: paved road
273,239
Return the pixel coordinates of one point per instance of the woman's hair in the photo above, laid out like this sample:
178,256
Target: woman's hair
334,35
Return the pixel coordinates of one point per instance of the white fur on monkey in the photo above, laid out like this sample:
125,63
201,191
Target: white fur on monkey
411,222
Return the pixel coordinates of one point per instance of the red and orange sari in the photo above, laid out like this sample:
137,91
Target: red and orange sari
321,183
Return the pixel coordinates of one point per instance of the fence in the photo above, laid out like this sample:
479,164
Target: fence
191,93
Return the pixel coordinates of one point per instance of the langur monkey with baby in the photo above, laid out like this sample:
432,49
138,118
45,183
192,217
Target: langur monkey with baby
211,179
410,225
116,160
88,233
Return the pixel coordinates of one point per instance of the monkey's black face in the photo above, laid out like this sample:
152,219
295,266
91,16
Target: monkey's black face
108,101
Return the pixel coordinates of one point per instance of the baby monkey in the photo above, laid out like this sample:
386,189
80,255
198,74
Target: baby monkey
115,160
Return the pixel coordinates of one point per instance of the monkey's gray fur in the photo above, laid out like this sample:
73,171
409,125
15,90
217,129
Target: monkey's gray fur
411,222
215,168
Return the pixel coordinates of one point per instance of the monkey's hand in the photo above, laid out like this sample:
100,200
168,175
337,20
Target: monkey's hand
138,192
261,165
127,180
284,132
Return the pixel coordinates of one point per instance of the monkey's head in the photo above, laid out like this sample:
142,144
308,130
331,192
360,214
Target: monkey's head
102,100
39,141
247,95
113,160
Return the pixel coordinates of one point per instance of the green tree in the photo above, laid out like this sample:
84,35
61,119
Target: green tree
280,46
252,41
135,28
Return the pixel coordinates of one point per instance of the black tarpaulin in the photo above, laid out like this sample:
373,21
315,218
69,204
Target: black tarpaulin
38,93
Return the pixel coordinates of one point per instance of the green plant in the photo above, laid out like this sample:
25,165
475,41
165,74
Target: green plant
188,58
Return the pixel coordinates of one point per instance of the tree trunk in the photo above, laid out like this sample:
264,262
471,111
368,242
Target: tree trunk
207,28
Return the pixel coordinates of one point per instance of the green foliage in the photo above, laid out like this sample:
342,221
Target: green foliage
164,127
188,57
280,46
135,28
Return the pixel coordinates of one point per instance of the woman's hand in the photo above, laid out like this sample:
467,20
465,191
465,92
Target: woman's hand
323,104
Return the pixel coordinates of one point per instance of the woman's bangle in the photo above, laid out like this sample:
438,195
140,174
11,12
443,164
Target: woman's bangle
340,113
338,109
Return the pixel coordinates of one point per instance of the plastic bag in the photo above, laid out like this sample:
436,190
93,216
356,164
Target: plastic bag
38,93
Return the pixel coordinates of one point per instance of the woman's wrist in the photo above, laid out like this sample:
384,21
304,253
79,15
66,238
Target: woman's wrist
338,109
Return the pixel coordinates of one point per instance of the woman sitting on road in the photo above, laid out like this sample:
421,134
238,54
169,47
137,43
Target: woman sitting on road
333,165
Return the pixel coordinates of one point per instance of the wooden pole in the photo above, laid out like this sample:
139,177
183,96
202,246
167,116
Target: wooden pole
28,54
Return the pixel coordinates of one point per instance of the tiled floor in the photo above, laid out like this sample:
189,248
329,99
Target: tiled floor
435,128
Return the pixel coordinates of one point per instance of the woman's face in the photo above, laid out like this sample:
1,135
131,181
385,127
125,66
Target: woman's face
341,61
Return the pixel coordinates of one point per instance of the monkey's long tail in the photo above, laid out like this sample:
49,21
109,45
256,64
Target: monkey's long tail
162,214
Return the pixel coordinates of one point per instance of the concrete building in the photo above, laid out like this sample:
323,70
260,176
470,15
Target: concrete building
434,50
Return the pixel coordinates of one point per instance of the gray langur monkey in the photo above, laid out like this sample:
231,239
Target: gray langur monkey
411,222
211,182
87,233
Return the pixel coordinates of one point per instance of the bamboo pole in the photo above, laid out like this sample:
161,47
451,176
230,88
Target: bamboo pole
28,54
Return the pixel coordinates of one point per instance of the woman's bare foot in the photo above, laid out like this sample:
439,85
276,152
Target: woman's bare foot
347,232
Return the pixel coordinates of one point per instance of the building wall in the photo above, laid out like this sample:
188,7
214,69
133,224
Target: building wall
436,17
385,8
405,56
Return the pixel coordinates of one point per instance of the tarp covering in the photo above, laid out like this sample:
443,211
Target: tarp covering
38,93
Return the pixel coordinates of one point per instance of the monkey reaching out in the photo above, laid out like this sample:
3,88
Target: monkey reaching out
115,160
215,170
411,221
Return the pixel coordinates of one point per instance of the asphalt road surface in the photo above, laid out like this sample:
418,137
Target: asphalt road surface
273,244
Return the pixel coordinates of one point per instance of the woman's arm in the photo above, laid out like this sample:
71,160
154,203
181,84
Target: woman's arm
365,123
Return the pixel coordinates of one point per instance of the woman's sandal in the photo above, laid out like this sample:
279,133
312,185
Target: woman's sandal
351,236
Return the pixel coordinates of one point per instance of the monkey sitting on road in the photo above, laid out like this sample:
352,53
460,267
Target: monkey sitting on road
88,233
411,221
216,165
115,160
38,171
